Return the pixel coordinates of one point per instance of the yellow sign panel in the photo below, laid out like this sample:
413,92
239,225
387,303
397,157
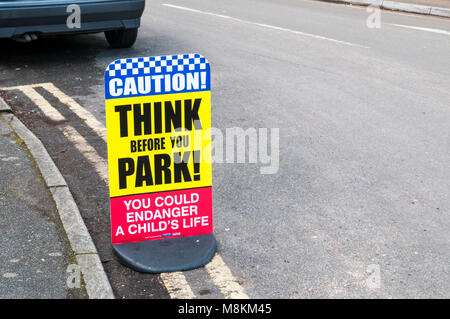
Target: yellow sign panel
154,141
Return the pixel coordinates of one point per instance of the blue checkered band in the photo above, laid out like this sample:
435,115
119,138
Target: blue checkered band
162,74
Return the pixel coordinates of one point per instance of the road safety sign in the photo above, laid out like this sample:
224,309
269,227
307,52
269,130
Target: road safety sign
158,118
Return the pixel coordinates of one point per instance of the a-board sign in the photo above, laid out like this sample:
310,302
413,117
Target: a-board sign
158,118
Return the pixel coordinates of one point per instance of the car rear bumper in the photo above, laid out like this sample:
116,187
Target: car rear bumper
50,16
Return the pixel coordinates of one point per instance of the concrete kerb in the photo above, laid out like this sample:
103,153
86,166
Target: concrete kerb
399,6
406,7
94,276
442,12
4,107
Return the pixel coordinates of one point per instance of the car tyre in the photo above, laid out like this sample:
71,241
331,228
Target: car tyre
123,38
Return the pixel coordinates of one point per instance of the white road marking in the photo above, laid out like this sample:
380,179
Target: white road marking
10,275
439,31
177,286
223,278
175,282
315,36
43,104
100,165
76,108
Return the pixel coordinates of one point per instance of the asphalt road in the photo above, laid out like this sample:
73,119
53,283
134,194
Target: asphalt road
364,142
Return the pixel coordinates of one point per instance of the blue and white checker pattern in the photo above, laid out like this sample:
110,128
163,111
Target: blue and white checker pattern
157,65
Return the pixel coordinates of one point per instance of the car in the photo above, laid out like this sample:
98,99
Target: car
28,20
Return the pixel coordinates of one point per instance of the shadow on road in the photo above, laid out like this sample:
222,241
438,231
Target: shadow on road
61,48
57,60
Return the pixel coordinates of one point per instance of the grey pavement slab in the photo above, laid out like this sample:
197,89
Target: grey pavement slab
34,251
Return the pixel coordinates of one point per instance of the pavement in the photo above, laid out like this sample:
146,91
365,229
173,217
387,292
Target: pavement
434,3
431,3
440,8
34,249
364,143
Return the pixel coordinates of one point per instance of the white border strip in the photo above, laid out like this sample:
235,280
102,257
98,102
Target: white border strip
223,278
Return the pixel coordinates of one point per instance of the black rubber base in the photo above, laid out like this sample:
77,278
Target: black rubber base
165,255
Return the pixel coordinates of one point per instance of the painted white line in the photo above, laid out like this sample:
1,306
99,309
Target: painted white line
42,103
315,36
177,286
439,31
223,278
100,165
72,135
76,108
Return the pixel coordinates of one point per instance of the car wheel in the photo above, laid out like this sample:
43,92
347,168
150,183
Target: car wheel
123,38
